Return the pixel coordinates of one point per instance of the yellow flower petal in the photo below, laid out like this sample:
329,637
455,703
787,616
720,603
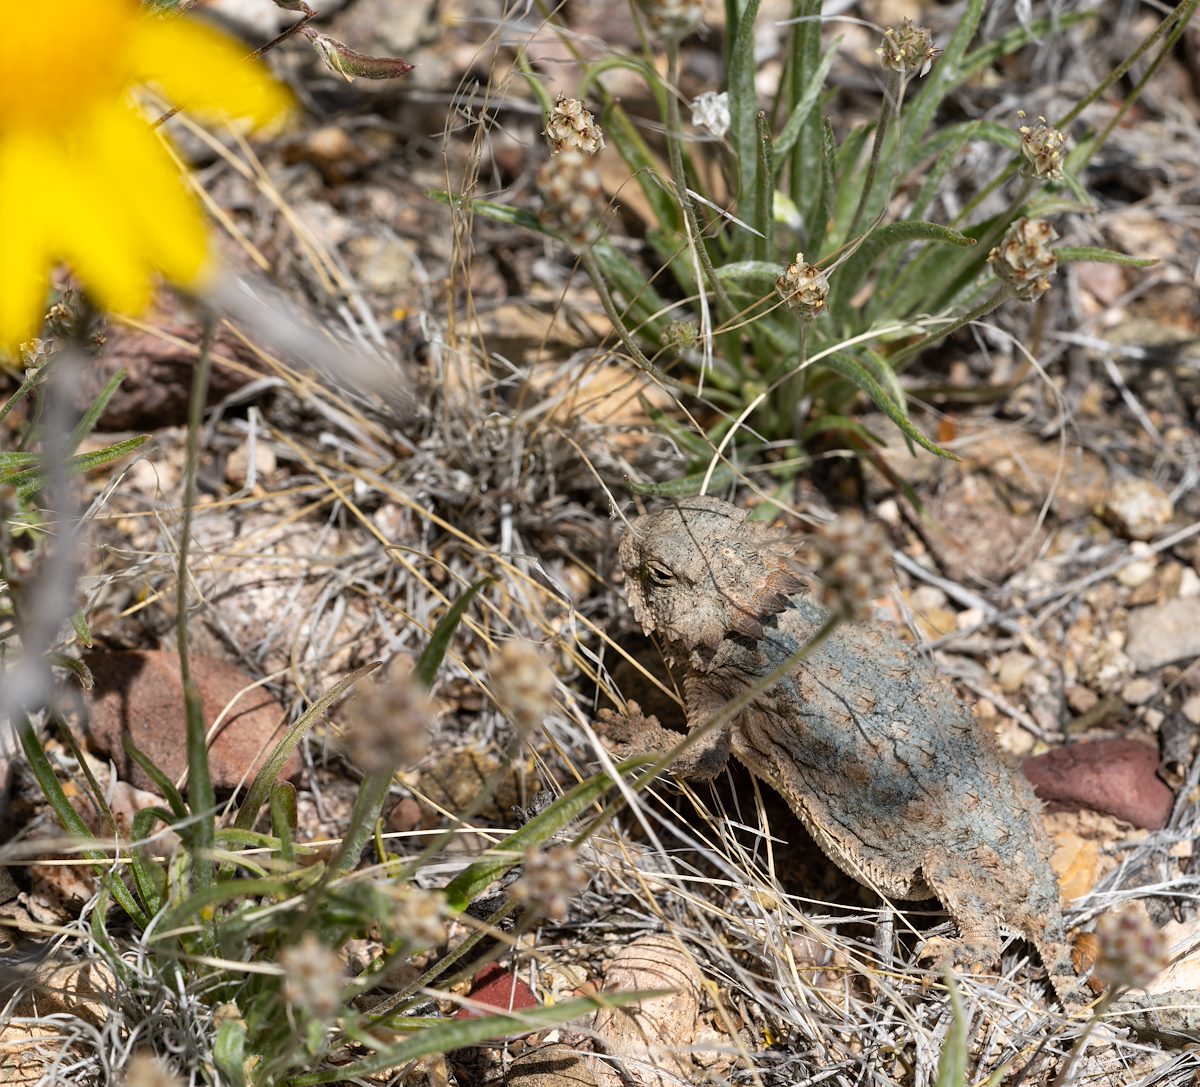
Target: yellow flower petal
81,206
24,249
202,70
163,220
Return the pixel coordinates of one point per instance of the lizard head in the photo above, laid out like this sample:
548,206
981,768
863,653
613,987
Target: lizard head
699,571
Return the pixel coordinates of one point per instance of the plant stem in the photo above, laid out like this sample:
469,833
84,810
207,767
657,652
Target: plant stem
675,158
588,260
892,94
201,799
982,310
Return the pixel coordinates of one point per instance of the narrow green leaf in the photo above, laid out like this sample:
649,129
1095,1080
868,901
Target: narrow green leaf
164,785
854,372
148,878
847,279
743,106
48,782
952,1061
764,242
79,623
1074,254
84,427
803,109
29,482
945,75
284,817
431,657
266,777
444,1035
500,213
683,487
471,881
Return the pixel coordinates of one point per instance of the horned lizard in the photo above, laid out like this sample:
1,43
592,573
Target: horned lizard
870,746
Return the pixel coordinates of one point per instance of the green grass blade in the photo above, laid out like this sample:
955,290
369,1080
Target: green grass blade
266,777
84,427
854,372
47,781
802,112
467,884
439,641
164,785
444,1035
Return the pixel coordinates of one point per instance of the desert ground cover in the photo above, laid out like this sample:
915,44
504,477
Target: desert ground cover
310,592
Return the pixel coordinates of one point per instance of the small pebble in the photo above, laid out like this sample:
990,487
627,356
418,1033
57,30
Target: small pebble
1137,692
1191,709
972,617
1189,582
1081,699
1136,573
1137,508
1013,669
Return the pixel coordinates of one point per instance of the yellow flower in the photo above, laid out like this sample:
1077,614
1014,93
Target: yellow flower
84,178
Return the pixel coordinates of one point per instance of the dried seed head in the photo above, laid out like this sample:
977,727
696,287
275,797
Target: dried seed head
804,287
1042,147
523,683
907,49
1024,260
1132,949
571,126
681,335
855,565
312,977
388,723
710,111
571,193
417,916
550,879
672,19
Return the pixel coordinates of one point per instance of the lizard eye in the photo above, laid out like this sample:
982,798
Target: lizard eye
658,573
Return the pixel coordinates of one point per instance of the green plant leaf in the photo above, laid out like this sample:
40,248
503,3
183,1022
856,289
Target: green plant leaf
743,106
1075,254
495,862
47,781
854,372
266,777
803,109
722,475
442,1035
31,481
849,276
952,1061
164,785
638,157
84,427
431,657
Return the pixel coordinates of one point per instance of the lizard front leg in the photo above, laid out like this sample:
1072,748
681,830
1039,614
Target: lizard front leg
633,733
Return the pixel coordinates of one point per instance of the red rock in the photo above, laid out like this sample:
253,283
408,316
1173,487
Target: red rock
494,987
1116,777
158,364
140,694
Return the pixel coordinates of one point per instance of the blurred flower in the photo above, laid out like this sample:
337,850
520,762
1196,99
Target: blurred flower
388,723
710,110
84,178
907,49
1042,147
571,192
673,18
147,1070
551,877
1024,260
523,683
571,126
1132,951
855,564
416,916
804,287
312,977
